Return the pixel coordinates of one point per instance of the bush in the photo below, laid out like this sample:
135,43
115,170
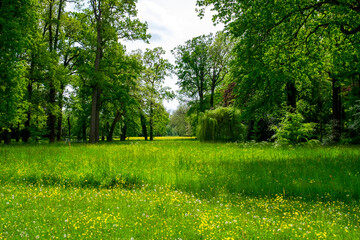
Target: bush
221,125
293,130
354,125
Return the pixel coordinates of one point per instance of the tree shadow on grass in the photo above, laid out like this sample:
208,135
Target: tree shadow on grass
306,178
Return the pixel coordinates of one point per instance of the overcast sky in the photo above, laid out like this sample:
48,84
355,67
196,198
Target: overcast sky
171,23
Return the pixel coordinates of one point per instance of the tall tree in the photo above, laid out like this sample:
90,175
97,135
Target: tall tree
111,20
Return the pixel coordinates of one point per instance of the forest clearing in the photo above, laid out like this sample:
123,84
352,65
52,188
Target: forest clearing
95,94
180,189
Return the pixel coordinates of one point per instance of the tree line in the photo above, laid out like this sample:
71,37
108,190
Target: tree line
291,68
280,70
64,74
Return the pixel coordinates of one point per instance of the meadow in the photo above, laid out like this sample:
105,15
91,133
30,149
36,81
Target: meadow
179,189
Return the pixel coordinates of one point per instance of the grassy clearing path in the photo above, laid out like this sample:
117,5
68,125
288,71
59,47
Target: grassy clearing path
178,190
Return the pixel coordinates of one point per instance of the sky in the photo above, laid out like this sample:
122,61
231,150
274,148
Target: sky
171,23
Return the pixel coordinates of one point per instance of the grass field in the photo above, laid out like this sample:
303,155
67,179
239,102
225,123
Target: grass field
180,189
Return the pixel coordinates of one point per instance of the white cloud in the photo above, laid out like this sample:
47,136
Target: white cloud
171,23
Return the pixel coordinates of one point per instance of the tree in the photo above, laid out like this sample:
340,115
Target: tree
192,67
17,19
179,121
111,20
156,68
220,56
120,88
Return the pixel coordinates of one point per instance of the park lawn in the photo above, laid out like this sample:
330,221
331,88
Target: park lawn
179,190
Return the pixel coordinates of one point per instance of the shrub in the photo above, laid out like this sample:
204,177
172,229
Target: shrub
293,130
221,125
354,126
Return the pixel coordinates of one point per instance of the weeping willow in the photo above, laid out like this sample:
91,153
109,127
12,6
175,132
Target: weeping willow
220,125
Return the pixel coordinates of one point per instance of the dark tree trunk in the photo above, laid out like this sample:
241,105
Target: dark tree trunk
59,127
84,136
96,101
291,96
17,133
60,118
250,129
151,122
52,91
69,126
201,97
103,135
95,115
336,107
212,94
7,137
143,125
123,132
52,117
113,125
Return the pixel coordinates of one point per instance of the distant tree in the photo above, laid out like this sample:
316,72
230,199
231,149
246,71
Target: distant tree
179,121
156,68
192,68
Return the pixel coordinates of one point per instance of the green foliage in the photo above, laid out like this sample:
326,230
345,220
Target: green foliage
17,19
293,130
354,125
221,124
179,122
161,120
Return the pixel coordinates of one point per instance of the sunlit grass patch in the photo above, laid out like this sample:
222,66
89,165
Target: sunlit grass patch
162,212
162,138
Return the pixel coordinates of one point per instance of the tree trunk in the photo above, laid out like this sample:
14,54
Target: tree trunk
151,122
59,127
52,117
336,108
123,132
113,125
201,98
69,126
60,118
103,135
291,96
212,94
143,125
96,101
250,129
95,115
7,137
84,131
17,133
52,91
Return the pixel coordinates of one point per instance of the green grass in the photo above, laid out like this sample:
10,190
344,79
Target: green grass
179,189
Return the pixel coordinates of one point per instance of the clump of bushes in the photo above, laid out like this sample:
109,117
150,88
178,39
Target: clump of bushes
293,130
221,125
